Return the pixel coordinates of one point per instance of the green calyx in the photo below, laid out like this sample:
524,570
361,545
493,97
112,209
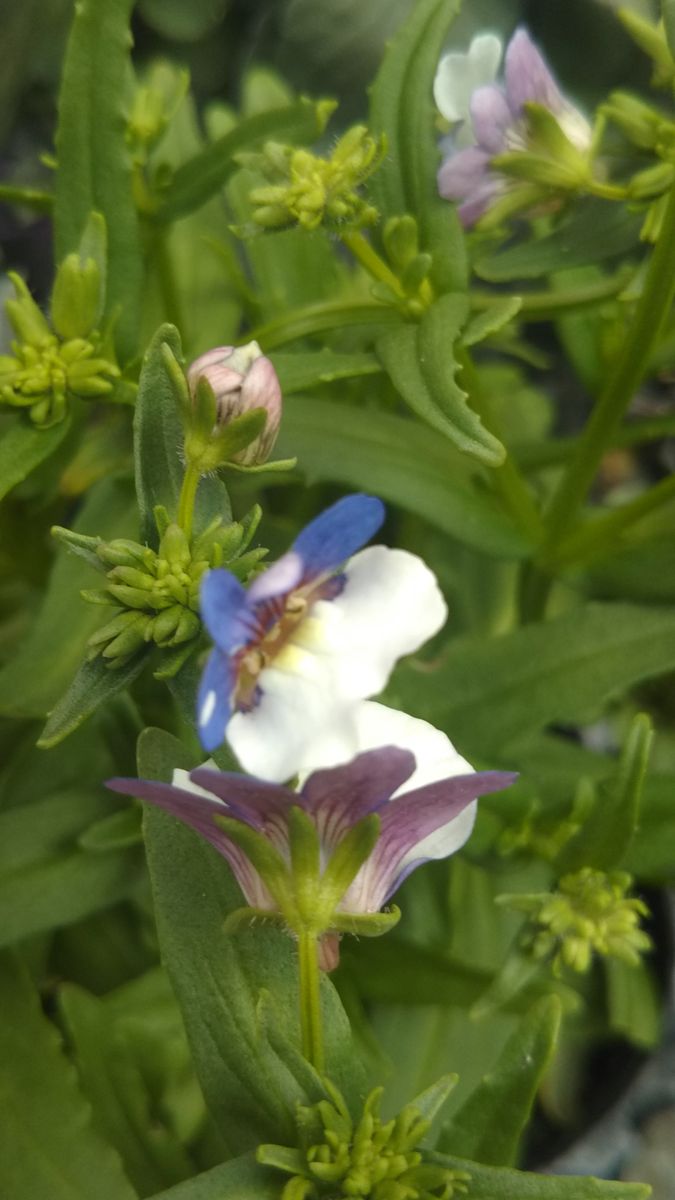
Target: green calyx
337,1157
307,190
157,592
589,914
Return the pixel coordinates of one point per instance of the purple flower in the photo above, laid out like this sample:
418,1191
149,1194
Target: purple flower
242,379
497,117
315,634
237,814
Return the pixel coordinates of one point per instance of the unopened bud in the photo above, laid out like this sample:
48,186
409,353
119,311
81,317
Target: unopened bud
242,379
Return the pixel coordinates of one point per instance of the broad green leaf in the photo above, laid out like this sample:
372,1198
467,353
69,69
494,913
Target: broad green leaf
178,21
31,683
502,1183
202,176
123,1108
241,1178
606,836
48,1147
634,1002
421,364
400,461
23,448
94,168
644,572
490,693
93,684
596,230
302,372
490,1124
158,437
402,108
218,979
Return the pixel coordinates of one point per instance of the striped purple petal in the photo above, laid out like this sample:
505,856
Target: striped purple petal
339,797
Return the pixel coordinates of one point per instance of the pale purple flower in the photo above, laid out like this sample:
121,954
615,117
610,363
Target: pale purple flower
313,636
495,115
420,817
242,379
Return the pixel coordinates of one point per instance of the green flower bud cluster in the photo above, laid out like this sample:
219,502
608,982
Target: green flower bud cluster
70,356
589,913
411,267
337,1158
155,103
652,39
157,592
310,191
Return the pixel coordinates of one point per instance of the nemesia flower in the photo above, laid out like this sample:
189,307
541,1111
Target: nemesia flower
314,634
242,379
497,116
421,810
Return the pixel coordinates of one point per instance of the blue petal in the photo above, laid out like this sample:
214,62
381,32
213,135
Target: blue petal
224,609
329,540
213,700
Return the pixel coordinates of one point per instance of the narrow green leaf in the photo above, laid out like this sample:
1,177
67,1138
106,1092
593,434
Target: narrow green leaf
402,462
607,834
47,1144
302,372
32,682
218,979
94,684
491,320
23,448
94,169
668,14
596,230
634,1002
502,1183
564,670
204,175
241,1178
158,437
489,1125
27,197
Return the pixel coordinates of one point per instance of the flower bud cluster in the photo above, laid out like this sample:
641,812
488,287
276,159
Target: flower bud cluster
310,191
589,913
338,1158
411,267
49,364
157,592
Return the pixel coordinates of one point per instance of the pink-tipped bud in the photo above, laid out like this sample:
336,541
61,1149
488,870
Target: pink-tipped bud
242,378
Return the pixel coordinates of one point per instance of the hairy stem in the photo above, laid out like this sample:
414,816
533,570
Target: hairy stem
310,1001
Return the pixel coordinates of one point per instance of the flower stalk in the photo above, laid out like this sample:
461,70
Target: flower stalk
311,1030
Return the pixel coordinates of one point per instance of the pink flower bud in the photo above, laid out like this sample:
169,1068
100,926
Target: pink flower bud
242,378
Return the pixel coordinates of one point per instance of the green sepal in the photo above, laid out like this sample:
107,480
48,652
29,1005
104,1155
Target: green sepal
162,519
26,319
281,464
78,295
430,1102
305,860
173,661
177,379
347,859
80,544
229,439
265,859
281,1157
203,417
366,924
244,917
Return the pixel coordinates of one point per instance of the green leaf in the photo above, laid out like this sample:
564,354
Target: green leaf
668,15
491,320
403,463
491,692
206,173
94,684
303,372
241,1178
218,980
421,365
158,437
490,1123
502,1183
402,108
123,1108
596,230
606,836
48,1147
23,448
31,682
94,169
634,1002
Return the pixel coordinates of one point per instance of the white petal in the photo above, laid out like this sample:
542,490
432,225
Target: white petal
458,75
181,779
391,604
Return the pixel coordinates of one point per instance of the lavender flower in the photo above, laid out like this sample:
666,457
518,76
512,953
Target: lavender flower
500,121
371,821
314,634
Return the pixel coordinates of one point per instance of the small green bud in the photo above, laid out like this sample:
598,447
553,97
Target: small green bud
174,547
25,317
400,241
76,304
124,553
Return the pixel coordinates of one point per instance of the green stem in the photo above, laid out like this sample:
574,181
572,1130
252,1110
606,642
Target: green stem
545,305
510,483
598,535
310,999
369,258
186,500
533,456
173,309
318,318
